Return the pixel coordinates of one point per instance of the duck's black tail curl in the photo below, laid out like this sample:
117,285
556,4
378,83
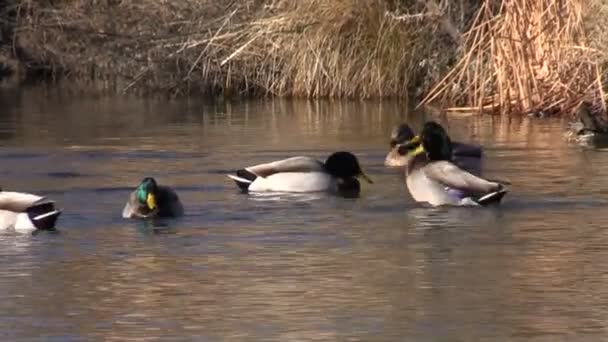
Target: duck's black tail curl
492,198
243,179
43,215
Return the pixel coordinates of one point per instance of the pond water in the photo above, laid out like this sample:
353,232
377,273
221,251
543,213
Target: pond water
243,267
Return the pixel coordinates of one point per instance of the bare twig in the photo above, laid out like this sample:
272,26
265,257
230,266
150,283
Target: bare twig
209,43
530,56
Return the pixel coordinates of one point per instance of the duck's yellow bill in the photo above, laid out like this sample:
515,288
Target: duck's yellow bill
151,202
364,176
413,147
415,140
418,150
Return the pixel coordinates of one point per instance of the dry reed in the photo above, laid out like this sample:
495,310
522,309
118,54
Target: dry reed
523,56
310,48
516,55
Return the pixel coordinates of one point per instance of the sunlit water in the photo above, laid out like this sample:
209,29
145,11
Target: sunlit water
292,268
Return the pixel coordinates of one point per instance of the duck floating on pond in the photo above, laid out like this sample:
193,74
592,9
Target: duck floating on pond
25,212
432,177
150,200
337,174
590,127
467,156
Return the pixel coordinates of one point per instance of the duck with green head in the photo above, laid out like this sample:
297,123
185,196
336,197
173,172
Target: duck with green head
467,156
152,200
337,174
432,177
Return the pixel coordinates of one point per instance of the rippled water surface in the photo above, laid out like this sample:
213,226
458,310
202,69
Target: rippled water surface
292,268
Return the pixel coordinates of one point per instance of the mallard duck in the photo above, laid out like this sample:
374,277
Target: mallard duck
467,156
432,177
152,200
26,212
304,174
399,135
589,129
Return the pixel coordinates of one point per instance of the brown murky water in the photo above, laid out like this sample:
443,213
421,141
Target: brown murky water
271,268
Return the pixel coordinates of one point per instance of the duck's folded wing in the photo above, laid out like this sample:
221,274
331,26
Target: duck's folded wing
169,202
454,177
294,164
466,150
17,201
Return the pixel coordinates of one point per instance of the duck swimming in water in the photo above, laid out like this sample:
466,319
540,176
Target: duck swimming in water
399,135
590,128
338,174
25,212
467,156
432,177
152,200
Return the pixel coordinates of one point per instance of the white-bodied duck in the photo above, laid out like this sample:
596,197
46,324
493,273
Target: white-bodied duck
432,177
25,212
338,174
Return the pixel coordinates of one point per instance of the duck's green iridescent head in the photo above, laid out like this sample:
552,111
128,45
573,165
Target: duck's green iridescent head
146,193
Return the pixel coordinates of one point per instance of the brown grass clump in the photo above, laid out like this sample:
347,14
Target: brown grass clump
311,48
523,56
339,48
516,55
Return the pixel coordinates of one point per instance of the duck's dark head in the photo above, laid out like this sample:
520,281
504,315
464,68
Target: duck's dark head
401,134
344,165
436,141
146,193
432,140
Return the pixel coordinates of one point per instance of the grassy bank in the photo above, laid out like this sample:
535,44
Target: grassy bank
312,48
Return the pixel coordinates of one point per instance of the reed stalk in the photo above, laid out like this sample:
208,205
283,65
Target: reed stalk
523,56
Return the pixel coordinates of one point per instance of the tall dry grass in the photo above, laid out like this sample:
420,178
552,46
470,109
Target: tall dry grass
524,56
310,48
494,55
